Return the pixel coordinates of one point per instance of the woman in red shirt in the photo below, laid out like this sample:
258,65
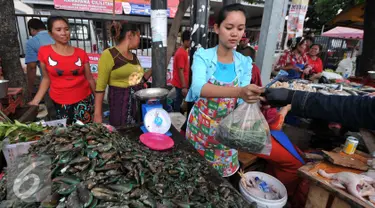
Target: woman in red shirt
284,168
315,63
66,74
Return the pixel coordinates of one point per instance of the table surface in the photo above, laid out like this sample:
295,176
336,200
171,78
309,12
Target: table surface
309,171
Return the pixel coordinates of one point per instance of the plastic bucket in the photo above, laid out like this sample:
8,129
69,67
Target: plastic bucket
261,202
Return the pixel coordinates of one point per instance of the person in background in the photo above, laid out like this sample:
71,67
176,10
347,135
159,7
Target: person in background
294,61
255,75
309,41
316,64
352,111
244,42
121,70
67,75
40,37
221,81
181,70
284,168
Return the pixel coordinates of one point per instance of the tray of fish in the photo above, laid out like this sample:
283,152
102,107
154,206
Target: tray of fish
92,167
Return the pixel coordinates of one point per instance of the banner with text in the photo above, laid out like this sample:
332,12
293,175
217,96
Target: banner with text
143,7
98,6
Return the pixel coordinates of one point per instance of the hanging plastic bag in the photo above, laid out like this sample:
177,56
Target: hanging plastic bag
245,129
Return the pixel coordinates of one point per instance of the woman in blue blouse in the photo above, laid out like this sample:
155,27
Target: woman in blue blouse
221,80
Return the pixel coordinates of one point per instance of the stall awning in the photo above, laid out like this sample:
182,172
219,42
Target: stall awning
352,17
344,32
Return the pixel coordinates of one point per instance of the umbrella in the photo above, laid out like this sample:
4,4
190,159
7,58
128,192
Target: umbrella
344,32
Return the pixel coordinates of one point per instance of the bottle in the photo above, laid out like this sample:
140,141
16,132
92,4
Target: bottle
262,185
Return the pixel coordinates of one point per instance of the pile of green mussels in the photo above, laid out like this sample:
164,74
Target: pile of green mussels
95,168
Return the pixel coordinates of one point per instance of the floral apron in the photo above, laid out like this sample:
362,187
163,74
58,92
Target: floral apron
204,117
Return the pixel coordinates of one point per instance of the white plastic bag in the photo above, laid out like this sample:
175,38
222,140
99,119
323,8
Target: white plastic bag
245,129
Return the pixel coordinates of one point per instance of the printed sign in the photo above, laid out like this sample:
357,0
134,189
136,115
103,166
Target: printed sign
93,60
296,18
98,6
142,7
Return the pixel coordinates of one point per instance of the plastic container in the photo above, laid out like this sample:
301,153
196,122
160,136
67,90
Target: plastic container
261,202
12,151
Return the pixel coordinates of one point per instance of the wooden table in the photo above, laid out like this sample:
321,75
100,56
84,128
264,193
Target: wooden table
322,194
246,159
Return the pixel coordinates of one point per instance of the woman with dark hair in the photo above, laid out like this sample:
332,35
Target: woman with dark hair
294,61
67,75
221,81
121,70
316,64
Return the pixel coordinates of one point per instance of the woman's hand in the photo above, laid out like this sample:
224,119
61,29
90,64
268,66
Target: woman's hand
98,118
33,103
251,93
185,91
297,69
307,71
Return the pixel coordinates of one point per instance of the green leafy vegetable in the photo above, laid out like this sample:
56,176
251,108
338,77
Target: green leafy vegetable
20,132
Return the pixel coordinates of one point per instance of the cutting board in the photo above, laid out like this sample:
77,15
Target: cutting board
351,161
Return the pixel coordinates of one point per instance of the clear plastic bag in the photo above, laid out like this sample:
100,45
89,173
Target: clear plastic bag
245,129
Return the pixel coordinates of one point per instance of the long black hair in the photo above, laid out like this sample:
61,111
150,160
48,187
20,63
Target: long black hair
119,30
293,43
223,13
53,19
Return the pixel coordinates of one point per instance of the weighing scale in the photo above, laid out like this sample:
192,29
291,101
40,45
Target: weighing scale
154,117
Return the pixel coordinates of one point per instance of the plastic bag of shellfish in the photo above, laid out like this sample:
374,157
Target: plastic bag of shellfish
245,129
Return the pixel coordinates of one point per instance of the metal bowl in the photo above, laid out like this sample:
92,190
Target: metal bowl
3,88
371,74
151,93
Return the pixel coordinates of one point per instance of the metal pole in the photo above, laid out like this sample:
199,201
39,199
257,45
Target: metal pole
272,17
199,23
199,13
227,2
159,42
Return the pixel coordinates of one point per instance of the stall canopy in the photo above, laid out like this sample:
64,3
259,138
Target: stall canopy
352,17
344,32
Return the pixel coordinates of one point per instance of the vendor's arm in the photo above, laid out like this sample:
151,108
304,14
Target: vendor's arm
43,88
351,111
200,87
275,119
105,66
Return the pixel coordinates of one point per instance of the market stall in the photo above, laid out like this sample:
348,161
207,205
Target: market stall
93,167
343,177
